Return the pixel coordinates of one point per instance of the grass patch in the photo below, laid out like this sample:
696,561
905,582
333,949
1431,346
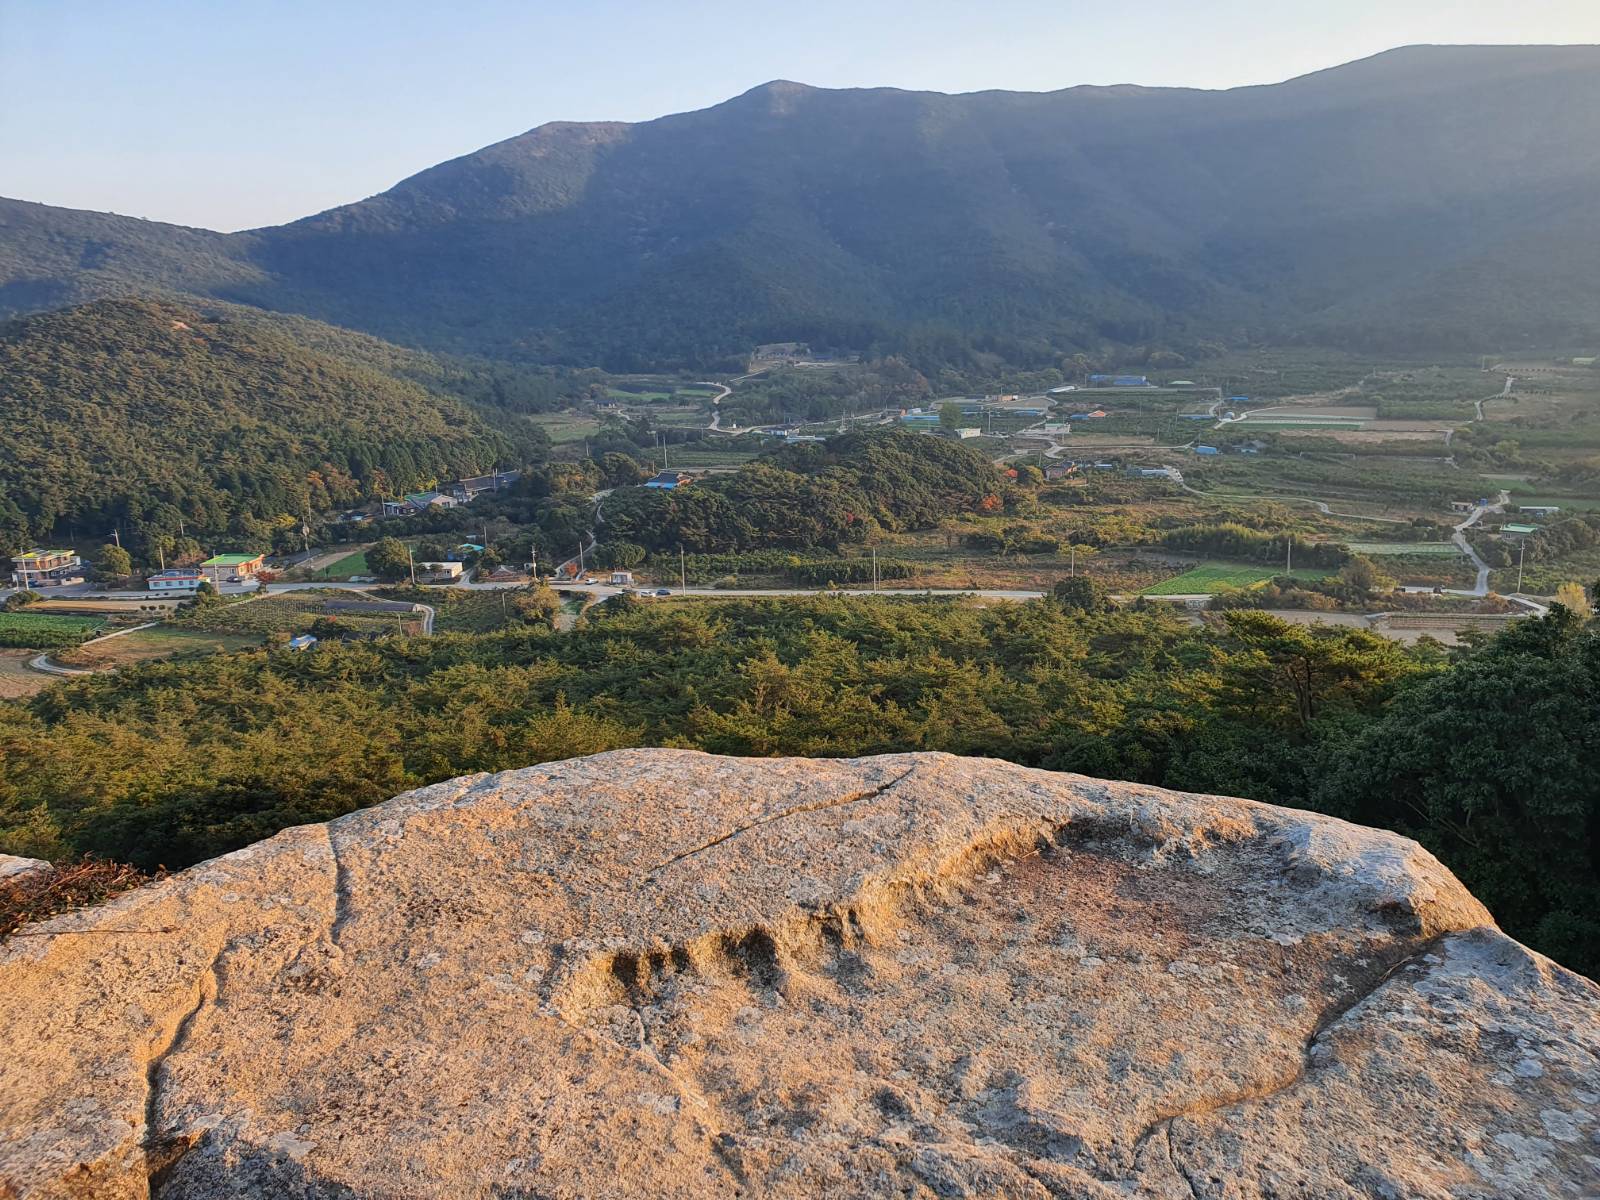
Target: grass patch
1212,577
565,428
350,564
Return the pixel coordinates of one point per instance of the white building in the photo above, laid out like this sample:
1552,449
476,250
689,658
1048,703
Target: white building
176,579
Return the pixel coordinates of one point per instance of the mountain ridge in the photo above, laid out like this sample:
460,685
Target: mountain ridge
1429,195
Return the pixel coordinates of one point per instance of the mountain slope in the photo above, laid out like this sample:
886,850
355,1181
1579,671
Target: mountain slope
1435,196
163,420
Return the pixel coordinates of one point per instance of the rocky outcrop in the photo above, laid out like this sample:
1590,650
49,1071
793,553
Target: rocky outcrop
14,869
664,974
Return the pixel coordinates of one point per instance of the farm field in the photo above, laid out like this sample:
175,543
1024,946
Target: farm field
16,680
147,645
291,612
1209,577
344,568
1379,549
1576,503
565,428
41,631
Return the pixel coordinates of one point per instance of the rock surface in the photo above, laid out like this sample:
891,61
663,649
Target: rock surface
14,869
664,974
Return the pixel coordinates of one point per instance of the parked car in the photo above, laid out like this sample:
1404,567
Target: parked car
663,592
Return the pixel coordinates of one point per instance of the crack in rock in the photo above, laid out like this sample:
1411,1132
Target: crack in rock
1330,1017
162,1154
793,811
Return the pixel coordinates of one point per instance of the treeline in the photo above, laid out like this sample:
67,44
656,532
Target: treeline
1228,540
1555,541
813,495
1486,758
166,423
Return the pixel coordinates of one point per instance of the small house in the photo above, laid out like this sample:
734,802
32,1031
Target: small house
232,568
1461,506
35,568
420,501
176,579
622,579
1519,530
670,479
1539,511
440,572
1206,450
1058,470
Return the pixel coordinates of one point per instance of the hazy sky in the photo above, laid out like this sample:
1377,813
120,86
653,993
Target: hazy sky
236,113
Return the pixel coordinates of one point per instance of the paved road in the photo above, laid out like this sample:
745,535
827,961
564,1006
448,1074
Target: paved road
1459,537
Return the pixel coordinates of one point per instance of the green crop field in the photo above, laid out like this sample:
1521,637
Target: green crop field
565,428
350,564
1209,577
1430,549
41,631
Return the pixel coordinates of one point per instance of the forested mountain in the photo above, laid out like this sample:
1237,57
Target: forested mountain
166,421
1430,196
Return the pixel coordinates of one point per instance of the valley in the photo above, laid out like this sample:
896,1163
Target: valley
996,450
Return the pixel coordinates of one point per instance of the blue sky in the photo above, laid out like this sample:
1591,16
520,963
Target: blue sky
231,114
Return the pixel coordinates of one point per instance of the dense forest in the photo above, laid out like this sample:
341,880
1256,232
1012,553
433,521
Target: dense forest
1486,757
166,422
814,494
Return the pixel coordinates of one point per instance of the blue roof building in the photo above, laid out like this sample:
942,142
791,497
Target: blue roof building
670,479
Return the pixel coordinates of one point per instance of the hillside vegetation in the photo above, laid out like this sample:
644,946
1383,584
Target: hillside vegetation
162,421
1430,196
1487,759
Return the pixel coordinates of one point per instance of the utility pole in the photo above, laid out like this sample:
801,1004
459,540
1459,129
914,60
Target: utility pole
116,535
412,562
874,568
1521,552
1288,562
580,556
1072,559
683,573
